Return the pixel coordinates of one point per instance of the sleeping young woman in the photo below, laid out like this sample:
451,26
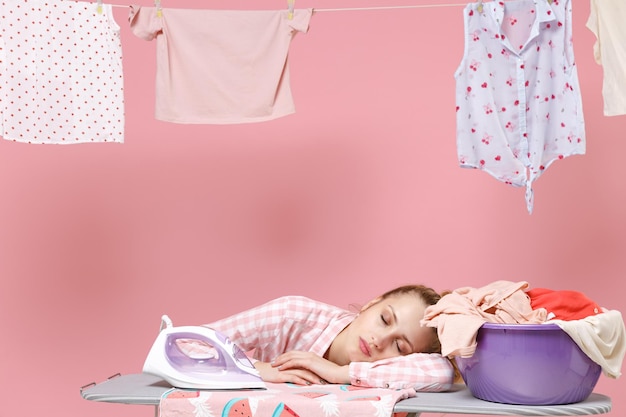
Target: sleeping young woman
302,341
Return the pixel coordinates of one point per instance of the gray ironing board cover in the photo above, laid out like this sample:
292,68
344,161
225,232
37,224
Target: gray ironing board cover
147,390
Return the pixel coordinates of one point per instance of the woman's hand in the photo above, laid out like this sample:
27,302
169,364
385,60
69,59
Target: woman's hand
271,373
323,369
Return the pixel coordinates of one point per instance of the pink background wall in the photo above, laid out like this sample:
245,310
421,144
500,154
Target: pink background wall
358,192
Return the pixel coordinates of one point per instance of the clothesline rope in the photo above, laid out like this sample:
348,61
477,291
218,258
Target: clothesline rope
343,9
416,6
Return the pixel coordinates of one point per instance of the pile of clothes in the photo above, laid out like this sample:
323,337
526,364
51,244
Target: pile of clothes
599,332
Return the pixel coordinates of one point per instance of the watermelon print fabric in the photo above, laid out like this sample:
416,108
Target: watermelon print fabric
284,400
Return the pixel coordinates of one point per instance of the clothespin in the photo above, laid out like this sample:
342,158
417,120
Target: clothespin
290,6
480,6
159,11
99,7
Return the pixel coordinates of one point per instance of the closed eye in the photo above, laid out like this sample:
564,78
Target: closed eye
403,339
400,348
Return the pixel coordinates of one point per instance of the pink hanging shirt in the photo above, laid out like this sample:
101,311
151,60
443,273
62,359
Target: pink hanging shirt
220,66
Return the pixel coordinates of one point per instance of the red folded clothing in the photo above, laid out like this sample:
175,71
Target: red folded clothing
563,304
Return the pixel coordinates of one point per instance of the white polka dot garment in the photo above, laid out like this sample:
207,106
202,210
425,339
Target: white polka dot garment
61,78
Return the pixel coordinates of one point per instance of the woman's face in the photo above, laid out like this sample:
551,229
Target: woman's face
384,329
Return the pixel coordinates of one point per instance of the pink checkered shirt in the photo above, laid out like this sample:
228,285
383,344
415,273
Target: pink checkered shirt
299,323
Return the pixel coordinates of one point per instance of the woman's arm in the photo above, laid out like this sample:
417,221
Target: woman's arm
420,371
300,376
325,370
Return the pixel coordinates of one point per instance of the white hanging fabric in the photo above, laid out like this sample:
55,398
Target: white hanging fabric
606,21
61,77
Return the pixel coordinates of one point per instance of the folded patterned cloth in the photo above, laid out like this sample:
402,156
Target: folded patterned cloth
284,400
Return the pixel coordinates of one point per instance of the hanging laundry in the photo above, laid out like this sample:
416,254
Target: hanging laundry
61,79
606,21
221,66
518,102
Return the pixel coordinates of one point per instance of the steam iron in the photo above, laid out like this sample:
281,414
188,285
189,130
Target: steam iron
200,358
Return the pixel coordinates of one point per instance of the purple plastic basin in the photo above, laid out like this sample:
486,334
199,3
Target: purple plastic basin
530,364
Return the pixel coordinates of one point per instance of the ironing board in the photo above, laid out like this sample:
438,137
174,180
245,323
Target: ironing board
145,389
